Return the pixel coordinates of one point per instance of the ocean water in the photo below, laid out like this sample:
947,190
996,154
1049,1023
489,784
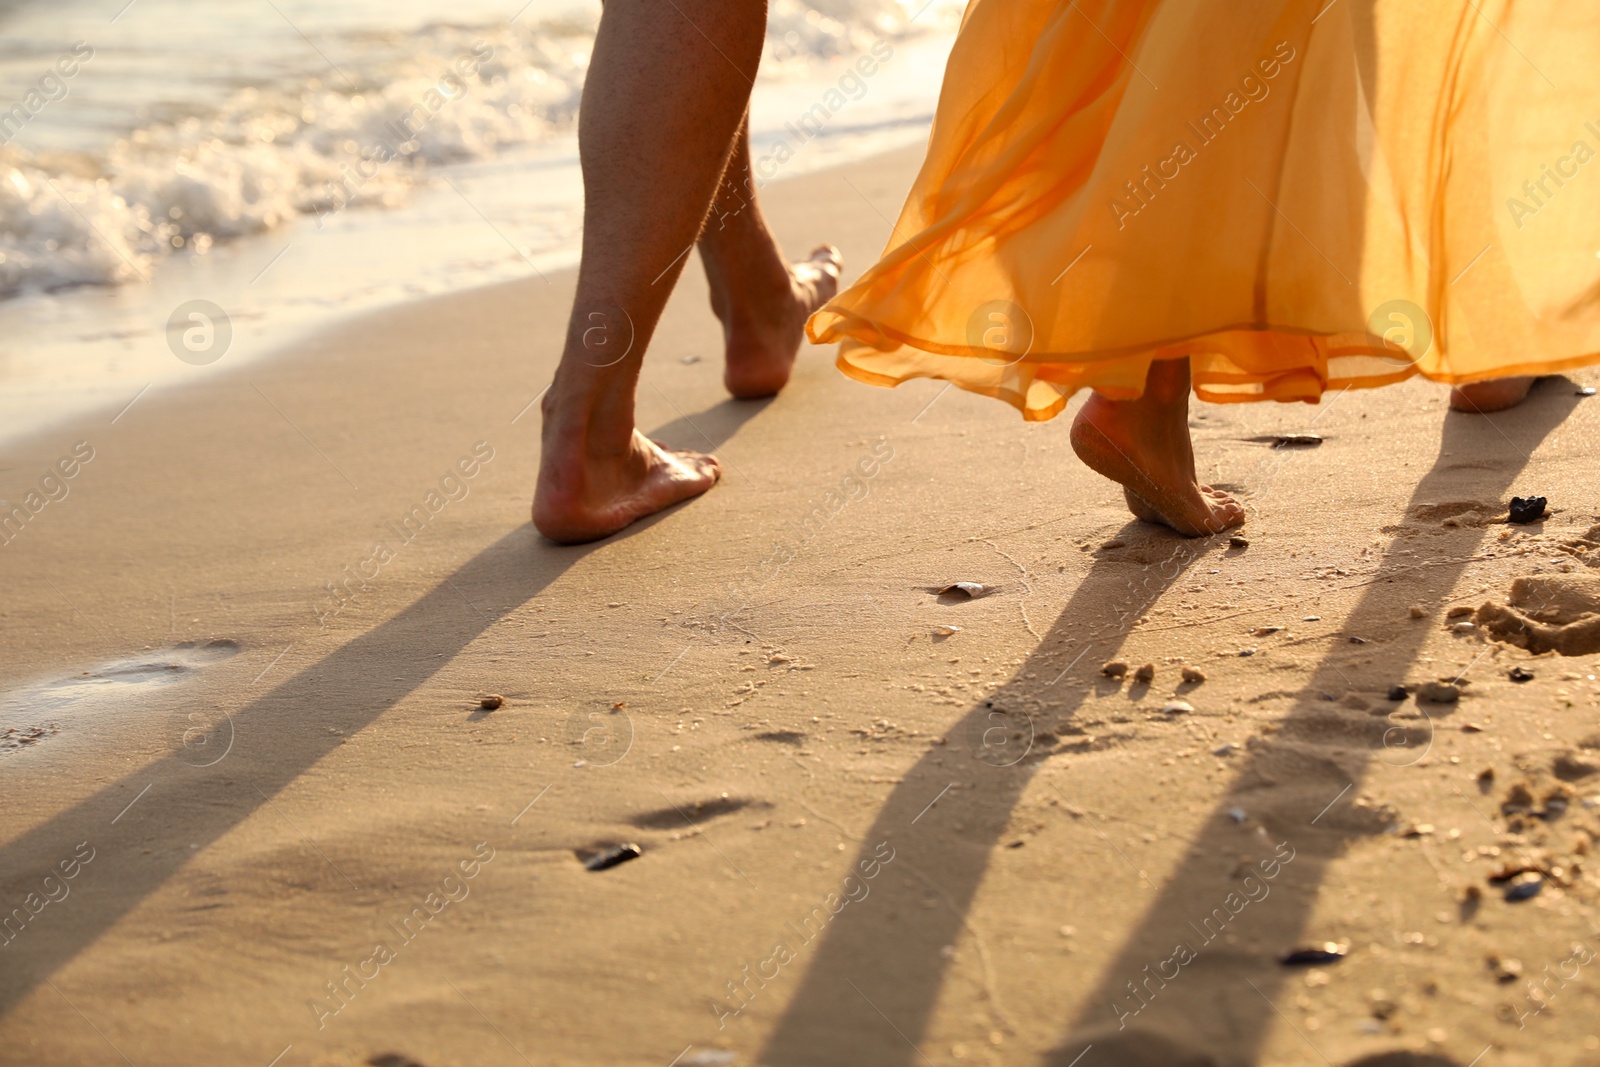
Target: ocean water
286,161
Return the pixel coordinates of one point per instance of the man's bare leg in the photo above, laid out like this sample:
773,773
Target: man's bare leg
1496,394
1144,446
667,88
762,300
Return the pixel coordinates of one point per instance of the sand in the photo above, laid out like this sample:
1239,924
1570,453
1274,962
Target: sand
252,819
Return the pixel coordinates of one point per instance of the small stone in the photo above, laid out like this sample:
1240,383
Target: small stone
1296,440
1114,668
1315,955
1237,815
1471,728
1225,750
1418,611
1247,652
1504,968
1521,674
1311,618
946,631
1145,674
1265,631
1115,542
1459,610
1398,692
1587,390
492,702
1524,886
1526,509
605,859
1193,675
970,589
1438,692
1357,640
1177,707
1238,542
1464,627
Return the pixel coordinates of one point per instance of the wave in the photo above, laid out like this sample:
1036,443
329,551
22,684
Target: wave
362,133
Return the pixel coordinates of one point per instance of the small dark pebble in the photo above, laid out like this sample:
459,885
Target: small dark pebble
491,702
1016,844
611,857
1398,692
392,1059
1238,542
1526,509
1297,440
1524,886
1314,955
1358,640
1521,674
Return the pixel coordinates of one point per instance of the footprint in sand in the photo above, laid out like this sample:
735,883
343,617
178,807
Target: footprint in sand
1547,613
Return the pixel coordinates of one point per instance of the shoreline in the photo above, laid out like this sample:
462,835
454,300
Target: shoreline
459,225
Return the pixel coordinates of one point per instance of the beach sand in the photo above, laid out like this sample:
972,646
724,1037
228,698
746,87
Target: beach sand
248,817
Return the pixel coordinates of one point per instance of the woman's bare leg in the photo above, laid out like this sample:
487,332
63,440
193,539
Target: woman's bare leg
762,299
1144,446
667,89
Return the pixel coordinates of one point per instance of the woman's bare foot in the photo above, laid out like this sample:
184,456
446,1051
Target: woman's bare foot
762,299
1496,394
764,321
587,492
1144,446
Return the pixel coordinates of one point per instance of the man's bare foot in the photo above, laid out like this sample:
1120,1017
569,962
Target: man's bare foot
1496,394
763,330
1144,446
582,496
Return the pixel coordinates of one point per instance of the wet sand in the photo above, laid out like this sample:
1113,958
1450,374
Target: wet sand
246,649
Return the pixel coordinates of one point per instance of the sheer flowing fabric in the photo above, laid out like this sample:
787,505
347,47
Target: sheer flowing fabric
1298,196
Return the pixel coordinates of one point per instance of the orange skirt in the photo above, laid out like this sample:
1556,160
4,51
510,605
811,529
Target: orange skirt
1297,195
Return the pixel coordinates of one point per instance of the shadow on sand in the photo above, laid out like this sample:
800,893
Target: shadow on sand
183,808
871,987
